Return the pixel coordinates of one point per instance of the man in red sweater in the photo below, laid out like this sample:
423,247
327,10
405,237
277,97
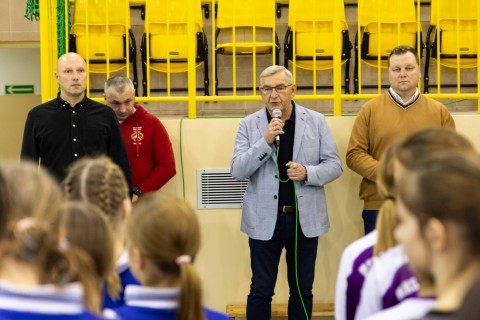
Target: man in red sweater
148,146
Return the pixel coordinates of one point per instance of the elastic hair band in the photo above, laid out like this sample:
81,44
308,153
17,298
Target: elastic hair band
390,197
184,258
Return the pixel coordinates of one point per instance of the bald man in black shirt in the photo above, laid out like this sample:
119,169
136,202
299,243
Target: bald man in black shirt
72,126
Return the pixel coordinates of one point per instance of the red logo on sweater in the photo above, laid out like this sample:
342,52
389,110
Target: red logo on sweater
137,134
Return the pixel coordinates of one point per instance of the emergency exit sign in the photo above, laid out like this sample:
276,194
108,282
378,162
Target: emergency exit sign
19,89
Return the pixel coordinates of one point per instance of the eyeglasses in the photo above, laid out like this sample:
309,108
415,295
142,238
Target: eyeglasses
280,88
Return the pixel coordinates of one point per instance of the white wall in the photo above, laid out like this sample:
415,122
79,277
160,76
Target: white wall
20,66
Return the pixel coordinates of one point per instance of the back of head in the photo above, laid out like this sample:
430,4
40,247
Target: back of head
162,229
98,181
84,226
444,186
30,192
421,144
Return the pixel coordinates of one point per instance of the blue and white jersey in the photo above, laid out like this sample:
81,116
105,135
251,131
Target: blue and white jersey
43,302
389,282
147,303
126,278
409,309
354,265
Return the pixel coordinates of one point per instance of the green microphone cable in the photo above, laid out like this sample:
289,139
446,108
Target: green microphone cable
296,230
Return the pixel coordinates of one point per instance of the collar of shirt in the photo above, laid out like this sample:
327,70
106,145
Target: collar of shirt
151,297
400,101
47,298
66,104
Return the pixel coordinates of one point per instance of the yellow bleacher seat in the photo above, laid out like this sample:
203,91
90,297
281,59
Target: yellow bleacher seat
310,36
166,31
384,24
246,27
452,35
101,33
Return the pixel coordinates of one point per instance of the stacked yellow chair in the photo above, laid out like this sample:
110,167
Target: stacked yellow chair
309,40
244,21
452,35
165,40
101,33
383,25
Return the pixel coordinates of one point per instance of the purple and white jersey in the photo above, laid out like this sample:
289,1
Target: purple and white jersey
389,282
354,264
409,309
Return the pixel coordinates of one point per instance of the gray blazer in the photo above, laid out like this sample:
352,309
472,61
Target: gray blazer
253,158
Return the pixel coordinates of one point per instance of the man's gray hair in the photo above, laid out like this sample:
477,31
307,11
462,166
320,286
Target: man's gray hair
118,83
270,71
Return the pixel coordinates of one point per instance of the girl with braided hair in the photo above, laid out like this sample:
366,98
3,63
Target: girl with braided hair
101,182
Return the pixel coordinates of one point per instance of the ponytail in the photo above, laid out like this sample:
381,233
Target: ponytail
34,244
190,299
386,222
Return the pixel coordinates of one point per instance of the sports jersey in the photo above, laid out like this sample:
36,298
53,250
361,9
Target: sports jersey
147,303
43,302
409,309
354,264
389,282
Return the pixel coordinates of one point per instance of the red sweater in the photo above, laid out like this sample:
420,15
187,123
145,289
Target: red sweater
149,150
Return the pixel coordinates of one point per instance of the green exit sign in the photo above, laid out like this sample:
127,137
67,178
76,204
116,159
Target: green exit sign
19,89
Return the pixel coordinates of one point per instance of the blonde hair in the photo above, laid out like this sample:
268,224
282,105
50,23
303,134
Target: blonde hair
86,227
99,181
34,192
164,228
33,202
387,218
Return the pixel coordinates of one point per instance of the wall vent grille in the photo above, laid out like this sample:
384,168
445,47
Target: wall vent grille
218,189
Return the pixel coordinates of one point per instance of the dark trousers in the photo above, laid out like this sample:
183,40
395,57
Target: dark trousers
265,256
369,220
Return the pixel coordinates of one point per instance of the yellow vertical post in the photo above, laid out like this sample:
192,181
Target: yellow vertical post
213,14
48,48
337,65
478,60
192,76
419,39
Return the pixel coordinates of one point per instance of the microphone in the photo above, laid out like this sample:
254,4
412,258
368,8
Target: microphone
277,113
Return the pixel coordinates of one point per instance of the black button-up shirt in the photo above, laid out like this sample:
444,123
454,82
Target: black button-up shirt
57,134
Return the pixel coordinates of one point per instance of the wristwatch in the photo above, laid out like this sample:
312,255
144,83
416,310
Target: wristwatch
136,190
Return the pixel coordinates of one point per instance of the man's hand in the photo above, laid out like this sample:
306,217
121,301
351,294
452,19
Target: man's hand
275,127
296,171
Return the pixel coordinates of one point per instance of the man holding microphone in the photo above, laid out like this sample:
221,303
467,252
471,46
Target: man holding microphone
289,155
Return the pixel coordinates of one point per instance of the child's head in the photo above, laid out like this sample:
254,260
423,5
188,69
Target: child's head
101,182
163,236
439,212
397,158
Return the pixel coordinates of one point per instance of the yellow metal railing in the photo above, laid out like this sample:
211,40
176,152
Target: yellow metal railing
48,45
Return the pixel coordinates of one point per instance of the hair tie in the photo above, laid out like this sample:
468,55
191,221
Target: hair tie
390,197
184,258
63,244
